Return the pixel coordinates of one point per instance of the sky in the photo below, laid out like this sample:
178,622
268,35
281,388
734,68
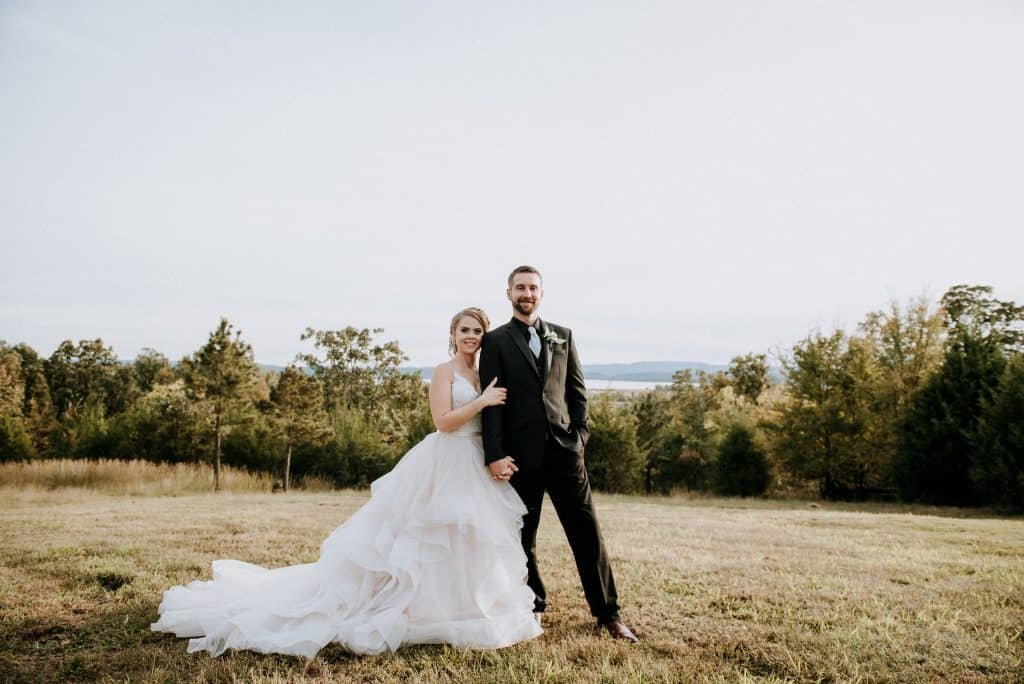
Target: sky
695,180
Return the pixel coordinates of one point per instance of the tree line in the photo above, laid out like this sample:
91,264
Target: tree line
345,414
922,402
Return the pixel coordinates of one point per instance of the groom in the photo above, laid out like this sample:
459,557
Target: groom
536,439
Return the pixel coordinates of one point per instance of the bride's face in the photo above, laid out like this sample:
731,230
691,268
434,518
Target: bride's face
468,335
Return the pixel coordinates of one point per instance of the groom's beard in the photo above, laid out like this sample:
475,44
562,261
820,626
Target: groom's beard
524,307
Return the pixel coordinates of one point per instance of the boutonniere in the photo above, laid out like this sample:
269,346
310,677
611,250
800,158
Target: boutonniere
551,338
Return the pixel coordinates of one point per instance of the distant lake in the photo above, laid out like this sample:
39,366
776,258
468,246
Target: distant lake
618,385
624,385
638,376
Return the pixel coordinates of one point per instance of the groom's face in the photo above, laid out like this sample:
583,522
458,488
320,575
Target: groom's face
525,293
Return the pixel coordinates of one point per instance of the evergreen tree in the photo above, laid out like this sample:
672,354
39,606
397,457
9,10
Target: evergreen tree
997,463
687,443
935,451
15,443
223,374
298,402
939,444
650,412
12,383
741,468
614,461
39,416
86,431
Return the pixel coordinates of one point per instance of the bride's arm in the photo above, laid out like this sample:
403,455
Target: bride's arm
447,419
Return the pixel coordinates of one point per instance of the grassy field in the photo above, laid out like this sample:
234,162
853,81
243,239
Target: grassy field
719,590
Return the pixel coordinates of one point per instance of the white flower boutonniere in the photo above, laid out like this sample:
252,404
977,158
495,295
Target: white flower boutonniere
551,338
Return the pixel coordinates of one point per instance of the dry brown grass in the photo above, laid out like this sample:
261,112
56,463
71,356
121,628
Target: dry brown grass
719,590
137,478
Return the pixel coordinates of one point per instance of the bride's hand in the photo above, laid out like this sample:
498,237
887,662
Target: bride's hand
493,396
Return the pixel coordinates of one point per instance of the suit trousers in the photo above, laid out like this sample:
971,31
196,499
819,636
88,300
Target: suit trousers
564,476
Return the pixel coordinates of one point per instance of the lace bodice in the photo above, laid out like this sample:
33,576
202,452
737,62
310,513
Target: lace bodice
463,392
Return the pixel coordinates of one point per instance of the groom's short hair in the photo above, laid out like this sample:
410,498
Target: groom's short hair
523,269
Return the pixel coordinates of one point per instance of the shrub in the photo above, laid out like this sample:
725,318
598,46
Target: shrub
15,442
614,461
741,468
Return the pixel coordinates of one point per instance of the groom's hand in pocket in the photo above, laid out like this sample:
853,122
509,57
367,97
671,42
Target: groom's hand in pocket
503,468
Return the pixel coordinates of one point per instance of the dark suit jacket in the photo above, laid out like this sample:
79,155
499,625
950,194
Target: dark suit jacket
538,402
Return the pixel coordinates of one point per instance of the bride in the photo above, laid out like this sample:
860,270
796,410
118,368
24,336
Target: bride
433,557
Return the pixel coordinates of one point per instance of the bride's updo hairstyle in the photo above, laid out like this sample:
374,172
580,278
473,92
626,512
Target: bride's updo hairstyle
473,312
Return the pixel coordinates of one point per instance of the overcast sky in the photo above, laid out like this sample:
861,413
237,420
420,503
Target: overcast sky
695,180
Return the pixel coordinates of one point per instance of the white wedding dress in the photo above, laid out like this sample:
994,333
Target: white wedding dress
433,557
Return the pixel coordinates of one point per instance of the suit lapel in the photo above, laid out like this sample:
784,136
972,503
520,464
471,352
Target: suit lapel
518,340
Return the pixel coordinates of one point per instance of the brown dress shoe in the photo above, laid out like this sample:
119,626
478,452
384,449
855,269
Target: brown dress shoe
619,630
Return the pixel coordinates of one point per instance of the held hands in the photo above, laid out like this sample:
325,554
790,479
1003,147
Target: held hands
503,468
493,396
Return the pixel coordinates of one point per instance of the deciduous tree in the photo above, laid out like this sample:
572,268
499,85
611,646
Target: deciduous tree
972,311
748,375
359,373
74,372
905,343
820,433
152,368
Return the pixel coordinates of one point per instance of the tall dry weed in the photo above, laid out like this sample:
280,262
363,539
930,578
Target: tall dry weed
137,478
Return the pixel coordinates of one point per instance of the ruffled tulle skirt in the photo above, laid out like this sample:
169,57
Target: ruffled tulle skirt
433,557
